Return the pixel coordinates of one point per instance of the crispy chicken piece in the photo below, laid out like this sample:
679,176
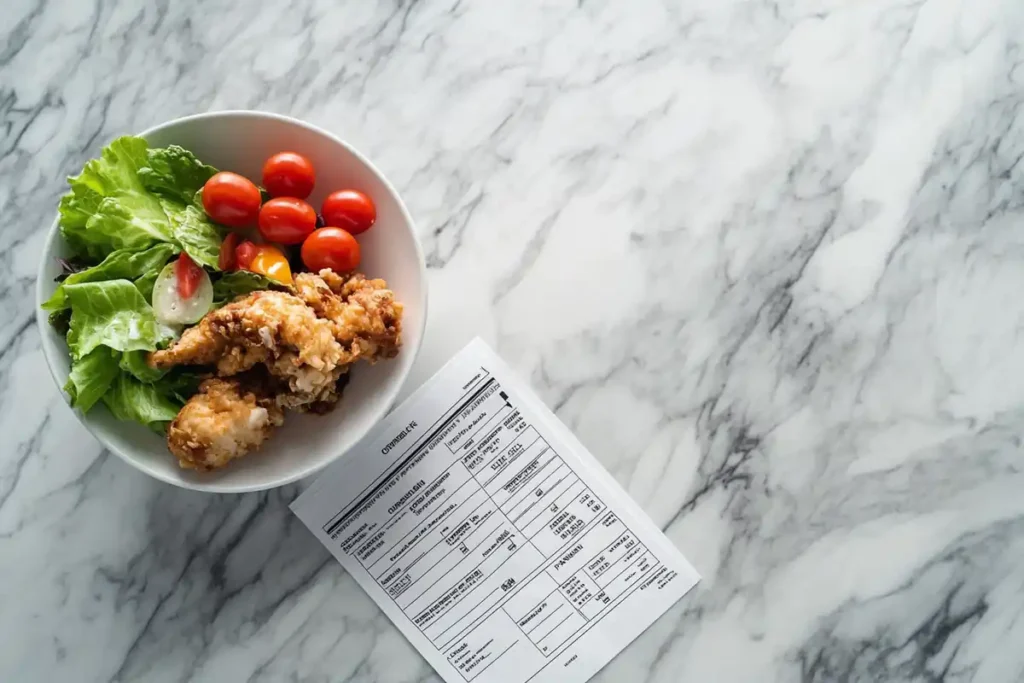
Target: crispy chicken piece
365,318
316,294
287,350
327,404
273,328
238,359
253,329
305,391
305,384
224,421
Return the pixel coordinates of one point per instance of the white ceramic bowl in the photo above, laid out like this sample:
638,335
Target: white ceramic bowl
240,141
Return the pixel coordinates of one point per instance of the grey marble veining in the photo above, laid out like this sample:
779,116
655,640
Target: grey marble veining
765,258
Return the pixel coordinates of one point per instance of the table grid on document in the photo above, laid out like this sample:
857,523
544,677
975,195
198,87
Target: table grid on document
509,501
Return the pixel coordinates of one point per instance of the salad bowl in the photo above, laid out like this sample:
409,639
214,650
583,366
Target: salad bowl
240,141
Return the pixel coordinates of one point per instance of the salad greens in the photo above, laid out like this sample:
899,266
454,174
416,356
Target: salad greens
134,363
175,173
112,314
135,401
128,214
108,207
120,264
91,377
133,197
238,283
145,284
194,232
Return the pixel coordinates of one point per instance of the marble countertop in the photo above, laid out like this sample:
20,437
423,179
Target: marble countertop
766,259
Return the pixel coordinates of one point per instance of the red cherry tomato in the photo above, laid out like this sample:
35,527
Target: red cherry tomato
226,260
287,220
245,253
231,199
332,248
188,276
349,209
287,174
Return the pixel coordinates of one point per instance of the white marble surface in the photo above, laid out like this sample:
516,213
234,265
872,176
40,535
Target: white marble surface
765,258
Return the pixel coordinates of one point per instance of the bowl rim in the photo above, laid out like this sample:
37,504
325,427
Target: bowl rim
220,487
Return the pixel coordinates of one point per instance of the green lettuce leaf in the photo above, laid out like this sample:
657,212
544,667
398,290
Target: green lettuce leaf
238,283
131,222
135,401
178,177
129,387
132,210
111,313
180,384
108,208
134,363
174,173
145,285
101,178
197,234
60,320
119,265
91,377
75,209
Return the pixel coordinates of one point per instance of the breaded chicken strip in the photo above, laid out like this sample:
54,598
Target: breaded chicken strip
365,318
273,328
280,350
252,329
305,383
224,421
308,391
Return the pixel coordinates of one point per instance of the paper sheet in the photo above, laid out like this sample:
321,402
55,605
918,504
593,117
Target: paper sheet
490,536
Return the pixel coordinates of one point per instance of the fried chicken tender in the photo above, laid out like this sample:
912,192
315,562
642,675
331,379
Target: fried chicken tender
224,421
365,318
273,328
306,384
299,345
251,329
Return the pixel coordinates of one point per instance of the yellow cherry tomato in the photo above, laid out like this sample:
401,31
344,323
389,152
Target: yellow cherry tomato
271,261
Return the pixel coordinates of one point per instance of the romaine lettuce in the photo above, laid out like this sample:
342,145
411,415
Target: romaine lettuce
196,233
108,207
145,285
130,211
178,177
133,197
91,377
114,314
230,285
119,265
135,363
175,173
135,401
